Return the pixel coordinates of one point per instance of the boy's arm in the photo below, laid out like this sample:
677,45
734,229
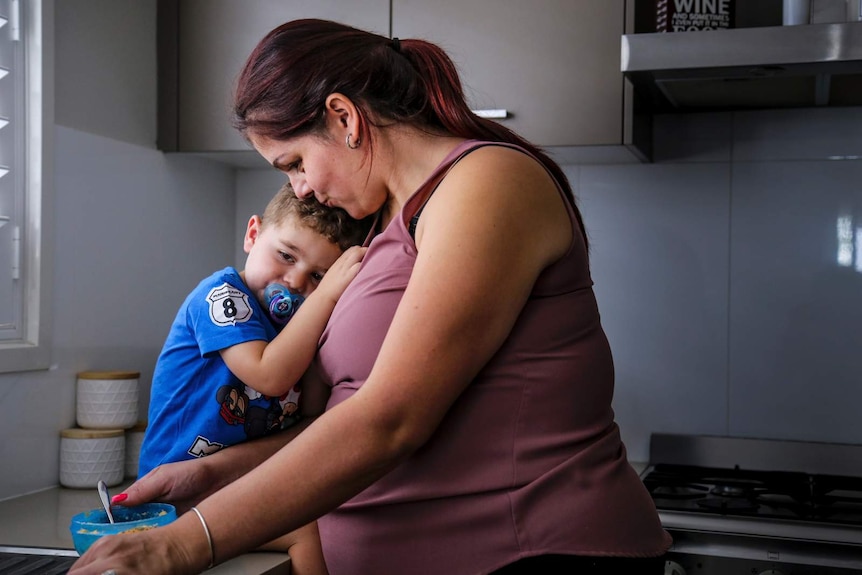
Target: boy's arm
273,368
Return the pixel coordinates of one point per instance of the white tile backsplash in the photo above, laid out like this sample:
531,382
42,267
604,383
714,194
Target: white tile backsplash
692,137
659,254
798,134
796,300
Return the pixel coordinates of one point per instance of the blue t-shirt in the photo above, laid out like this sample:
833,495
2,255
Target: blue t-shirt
197,406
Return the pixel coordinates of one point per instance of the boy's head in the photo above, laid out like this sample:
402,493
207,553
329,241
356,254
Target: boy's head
332,223
295,242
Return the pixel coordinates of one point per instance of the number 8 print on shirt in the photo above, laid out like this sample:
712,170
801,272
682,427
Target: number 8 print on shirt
228,305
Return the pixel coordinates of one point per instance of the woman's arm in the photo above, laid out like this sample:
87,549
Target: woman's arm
273,368
493,224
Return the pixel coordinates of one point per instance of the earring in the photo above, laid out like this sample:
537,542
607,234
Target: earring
358,141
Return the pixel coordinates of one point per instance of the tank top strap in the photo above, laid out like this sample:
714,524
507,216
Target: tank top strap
413,209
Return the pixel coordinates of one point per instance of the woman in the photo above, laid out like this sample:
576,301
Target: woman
469,425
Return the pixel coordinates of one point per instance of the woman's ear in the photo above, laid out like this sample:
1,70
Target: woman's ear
252,232
343,116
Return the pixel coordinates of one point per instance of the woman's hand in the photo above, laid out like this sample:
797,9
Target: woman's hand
152,552
182,484
342,272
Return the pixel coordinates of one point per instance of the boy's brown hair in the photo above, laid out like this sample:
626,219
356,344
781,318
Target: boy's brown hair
332,223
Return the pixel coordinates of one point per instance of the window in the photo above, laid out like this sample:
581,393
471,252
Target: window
26,171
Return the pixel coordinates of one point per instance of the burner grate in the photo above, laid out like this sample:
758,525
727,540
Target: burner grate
766,494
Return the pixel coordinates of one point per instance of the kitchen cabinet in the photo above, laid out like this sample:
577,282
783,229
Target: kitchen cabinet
552,65
203,45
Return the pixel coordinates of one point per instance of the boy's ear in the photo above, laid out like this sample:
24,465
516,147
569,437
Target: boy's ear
252,232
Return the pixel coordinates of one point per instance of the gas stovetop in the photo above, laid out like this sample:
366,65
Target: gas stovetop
785,495
739,505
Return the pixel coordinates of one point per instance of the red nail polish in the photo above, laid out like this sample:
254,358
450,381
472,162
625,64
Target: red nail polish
119,498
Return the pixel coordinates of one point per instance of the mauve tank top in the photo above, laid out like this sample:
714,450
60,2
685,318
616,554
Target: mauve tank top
528,460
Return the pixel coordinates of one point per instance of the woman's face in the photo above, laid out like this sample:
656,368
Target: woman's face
322,167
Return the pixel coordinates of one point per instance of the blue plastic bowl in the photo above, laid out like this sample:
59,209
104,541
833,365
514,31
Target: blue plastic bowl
88,526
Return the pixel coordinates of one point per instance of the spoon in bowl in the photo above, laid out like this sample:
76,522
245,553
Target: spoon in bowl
106,501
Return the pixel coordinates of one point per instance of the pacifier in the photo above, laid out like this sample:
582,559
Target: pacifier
281,303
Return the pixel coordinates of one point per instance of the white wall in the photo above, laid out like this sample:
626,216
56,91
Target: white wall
134,230
717,274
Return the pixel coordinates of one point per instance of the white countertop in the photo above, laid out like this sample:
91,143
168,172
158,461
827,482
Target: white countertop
42,520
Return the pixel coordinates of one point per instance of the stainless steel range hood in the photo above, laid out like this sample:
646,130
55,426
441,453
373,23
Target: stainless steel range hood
748,68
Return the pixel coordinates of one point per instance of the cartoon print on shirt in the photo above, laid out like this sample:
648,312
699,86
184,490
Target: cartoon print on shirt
242,405
203,446
289,403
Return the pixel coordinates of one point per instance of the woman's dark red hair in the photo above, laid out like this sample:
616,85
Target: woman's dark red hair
283,86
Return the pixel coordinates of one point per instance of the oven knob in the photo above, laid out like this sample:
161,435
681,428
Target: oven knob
673,568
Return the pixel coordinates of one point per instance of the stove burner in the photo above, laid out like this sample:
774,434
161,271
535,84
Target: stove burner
725,504
688,491
730,491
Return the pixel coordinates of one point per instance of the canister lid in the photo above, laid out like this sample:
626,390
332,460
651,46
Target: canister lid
109,375
80,433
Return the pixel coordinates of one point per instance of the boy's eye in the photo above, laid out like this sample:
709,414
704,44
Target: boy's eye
317,277
286,256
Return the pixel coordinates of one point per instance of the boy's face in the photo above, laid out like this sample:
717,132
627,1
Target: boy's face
288,253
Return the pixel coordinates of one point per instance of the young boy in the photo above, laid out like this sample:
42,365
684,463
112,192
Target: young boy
225,373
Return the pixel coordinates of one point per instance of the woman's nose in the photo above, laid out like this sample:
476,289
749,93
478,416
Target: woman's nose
300,186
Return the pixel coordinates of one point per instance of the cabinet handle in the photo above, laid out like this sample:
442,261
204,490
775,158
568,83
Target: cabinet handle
497,114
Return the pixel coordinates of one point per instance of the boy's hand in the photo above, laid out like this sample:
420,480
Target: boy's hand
341,273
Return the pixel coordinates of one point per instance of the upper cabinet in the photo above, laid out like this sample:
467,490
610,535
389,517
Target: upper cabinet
203,45
553,66
550,67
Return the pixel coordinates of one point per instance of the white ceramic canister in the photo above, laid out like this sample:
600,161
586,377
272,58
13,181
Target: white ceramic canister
134,439
88,455
107,399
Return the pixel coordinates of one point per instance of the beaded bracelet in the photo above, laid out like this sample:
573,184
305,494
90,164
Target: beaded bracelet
209,538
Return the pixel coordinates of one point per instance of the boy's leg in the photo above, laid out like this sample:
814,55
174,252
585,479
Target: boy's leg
303,546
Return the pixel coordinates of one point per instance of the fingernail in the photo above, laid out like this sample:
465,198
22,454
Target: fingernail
119,498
